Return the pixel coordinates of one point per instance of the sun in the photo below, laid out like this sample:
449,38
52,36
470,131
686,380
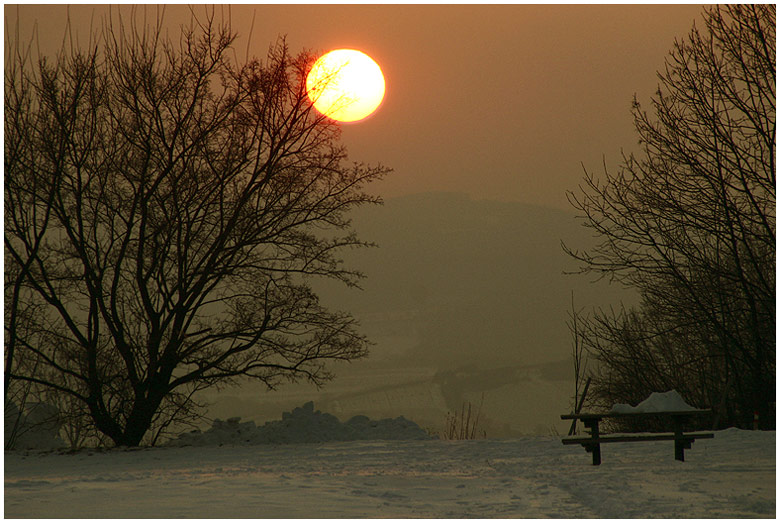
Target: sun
346,85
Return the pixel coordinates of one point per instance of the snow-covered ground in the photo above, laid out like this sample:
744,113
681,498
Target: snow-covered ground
732,475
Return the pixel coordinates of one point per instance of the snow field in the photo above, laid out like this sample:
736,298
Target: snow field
732,475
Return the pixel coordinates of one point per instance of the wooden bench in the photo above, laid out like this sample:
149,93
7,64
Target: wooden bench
682,440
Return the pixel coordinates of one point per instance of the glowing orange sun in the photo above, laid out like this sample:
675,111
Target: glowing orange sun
345,85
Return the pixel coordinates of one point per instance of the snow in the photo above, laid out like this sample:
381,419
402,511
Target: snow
670,401
302,425
730,476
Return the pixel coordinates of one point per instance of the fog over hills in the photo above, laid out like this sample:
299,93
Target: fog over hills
465,300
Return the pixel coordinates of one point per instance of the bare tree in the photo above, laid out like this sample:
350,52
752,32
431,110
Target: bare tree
690,221
166,209
579,356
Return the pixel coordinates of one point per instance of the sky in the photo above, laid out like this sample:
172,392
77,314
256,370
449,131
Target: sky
501,102
499,107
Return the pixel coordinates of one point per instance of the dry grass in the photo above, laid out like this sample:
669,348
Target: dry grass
464,424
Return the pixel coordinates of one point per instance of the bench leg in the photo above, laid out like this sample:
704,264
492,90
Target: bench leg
597,455
679,450
593,448
679,443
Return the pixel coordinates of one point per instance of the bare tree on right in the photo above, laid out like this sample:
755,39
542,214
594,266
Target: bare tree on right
690,223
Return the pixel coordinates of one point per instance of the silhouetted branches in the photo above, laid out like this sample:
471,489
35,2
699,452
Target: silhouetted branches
690,223
165,208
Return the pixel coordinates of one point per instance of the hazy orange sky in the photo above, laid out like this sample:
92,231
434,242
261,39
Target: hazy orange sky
499,102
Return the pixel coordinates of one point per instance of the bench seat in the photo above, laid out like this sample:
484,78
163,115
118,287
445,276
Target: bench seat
592,444
601,415
635,436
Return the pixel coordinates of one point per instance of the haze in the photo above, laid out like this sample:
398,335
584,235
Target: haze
489,114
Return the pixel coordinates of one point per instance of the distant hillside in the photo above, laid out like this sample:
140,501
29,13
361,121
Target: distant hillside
475,282
464,299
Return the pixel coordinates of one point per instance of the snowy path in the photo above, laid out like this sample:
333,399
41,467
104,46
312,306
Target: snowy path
732,475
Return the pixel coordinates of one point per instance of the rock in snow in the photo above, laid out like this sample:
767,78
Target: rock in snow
302,425
657,402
